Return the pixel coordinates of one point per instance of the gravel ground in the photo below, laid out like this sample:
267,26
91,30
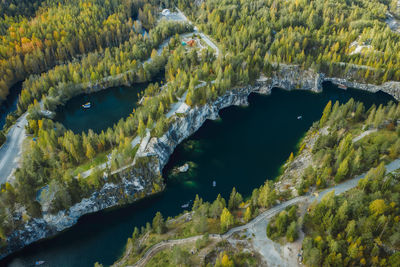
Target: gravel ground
10,151
275,254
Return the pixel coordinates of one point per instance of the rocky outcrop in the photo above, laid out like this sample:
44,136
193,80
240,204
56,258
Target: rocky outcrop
287,78
131,188
293,170
153,153
293,77
309,80
183,168
391,88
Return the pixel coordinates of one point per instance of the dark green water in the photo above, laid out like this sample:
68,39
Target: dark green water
10,103
242,149
107,108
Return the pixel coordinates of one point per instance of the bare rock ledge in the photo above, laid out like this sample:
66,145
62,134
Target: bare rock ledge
138,186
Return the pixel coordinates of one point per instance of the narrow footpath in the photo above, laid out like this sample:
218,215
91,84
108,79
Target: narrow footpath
275,254
10,151
269,250
178,107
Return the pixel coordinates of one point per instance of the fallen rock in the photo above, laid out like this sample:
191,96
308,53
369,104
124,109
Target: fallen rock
183,168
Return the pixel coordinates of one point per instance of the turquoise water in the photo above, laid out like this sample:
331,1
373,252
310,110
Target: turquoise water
242,149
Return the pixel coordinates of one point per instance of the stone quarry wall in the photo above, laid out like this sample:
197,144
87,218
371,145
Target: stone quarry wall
391,88
160,149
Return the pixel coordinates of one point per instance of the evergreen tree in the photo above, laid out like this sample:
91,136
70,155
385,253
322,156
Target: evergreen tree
325,114
342,171
141,128
226,219
291,233
90,153
217,206
247,215
234,200
159,224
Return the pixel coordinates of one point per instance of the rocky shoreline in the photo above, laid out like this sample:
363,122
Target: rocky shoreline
136,185
391,88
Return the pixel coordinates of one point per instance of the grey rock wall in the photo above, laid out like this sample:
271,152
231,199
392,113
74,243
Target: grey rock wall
160,149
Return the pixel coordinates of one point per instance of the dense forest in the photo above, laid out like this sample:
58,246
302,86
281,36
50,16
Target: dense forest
52,159
369,212
337,155
63,48
123,62
258,33
284,225
15,8
316,34
61,31
359,228
395,8
320,37
55,155
207,218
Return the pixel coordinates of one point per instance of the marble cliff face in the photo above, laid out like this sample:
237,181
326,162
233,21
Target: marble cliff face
136,185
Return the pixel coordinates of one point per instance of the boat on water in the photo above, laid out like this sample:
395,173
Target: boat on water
87,105
342,86
299,117
214,183
37,263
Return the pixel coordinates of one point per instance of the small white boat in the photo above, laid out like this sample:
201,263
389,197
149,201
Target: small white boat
184,206
39,263
214,183
299,117
342,86
87,105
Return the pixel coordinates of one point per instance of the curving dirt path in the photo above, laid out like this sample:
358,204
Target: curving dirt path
363,134
271,251
205,37
178,107
164,245
11,149
275,254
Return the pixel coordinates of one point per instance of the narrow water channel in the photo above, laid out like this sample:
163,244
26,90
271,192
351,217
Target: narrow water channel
242,149
10,104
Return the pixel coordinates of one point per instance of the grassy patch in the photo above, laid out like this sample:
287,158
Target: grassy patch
99,159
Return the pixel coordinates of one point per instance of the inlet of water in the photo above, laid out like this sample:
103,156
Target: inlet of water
242,149
10,104
107,108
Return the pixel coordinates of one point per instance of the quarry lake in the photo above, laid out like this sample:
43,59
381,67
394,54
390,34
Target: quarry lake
242,149
107,107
